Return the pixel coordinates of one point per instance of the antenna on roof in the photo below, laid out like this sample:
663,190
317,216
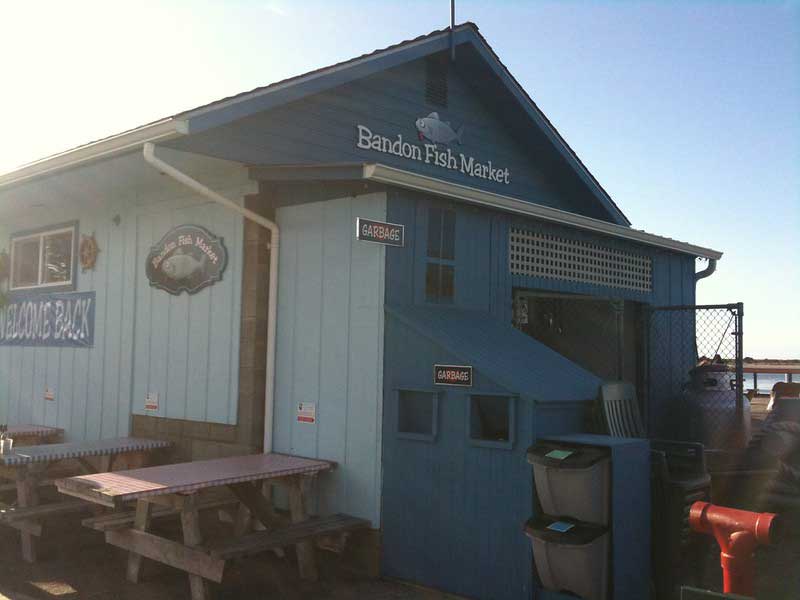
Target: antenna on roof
452,30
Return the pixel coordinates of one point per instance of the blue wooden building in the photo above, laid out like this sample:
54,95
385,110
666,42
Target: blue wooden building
514,261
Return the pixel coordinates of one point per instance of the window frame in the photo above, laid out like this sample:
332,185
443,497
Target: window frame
40,234
439,261
512,421
418,437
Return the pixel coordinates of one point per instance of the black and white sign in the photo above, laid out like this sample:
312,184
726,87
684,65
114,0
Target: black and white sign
452,375
389,234
58,319
187,259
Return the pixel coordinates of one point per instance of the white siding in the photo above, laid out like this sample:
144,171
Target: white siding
330,347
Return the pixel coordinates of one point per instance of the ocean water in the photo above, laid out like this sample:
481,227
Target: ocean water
765,381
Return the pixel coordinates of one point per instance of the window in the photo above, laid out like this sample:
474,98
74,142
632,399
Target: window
441,253
417,414
491,421
43,259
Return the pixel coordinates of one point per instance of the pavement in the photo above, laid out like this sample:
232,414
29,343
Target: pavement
74,562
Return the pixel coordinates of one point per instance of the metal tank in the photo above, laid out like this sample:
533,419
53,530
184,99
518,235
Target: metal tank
710,407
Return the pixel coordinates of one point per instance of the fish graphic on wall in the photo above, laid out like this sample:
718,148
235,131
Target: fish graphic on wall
182,266
187,259
433,129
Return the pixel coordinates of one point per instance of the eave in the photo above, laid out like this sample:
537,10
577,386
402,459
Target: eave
379,173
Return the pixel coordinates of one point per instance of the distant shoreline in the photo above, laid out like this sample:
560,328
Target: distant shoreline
772,362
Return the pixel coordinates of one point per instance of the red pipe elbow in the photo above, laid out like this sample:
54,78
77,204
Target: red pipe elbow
738,533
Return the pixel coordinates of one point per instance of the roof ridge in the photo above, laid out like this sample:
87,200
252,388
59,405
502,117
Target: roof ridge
419,38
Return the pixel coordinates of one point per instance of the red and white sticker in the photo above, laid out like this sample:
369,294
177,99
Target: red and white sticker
151,401
306,412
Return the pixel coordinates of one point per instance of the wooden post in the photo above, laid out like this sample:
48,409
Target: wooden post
141,522
190,521
306,559
242,521
105,463
27,495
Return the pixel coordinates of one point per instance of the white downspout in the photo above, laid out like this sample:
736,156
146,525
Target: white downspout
274,246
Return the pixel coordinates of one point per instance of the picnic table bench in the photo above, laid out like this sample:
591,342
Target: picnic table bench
32,435
175,488
27,467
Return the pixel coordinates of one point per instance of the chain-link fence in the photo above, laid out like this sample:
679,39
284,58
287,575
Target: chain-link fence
693,379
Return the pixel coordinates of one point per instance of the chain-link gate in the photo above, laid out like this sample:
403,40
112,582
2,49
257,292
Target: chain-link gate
693,376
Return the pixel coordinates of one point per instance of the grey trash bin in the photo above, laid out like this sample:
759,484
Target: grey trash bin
572,480
570,556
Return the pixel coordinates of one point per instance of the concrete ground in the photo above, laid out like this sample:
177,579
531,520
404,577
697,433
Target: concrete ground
74,562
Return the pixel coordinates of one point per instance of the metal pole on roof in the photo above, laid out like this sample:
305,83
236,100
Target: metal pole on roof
452,30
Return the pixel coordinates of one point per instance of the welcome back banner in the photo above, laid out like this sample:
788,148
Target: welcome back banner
55,319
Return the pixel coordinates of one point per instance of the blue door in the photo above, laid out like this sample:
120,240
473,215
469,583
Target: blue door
457,490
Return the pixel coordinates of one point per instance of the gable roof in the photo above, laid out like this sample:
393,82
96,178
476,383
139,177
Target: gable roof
473,54
508,357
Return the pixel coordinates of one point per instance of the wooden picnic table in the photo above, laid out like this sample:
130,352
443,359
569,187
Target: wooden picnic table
28,465
176,488
32,435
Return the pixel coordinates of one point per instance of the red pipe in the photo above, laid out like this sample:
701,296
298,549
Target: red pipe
738,533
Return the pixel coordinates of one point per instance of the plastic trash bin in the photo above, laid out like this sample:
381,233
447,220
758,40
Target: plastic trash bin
570,556
572,480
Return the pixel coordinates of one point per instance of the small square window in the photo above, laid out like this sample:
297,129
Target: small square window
417,414
44,259
491,420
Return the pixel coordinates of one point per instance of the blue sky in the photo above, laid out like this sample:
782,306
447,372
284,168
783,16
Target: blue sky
688,113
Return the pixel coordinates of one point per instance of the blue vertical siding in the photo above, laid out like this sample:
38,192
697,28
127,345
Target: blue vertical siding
452,511
330,340
89,399
321,128
184,348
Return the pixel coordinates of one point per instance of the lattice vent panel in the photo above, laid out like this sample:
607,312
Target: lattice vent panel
544,255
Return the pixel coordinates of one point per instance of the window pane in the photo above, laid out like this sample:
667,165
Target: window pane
439,283
449,234
58,258
447,283
435,232
415,413
25,270
432,282
490,418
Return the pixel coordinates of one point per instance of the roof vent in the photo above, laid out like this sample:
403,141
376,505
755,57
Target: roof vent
436,80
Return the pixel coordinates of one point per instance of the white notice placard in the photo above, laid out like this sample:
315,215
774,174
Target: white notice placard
306,412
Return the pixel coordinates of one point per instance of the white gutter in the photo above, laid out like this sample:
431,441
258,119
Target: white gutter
105,148
274,246
398,177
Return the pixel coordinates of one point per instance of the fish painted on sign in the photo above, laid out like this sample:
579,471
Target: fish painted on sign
437,131
182,266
